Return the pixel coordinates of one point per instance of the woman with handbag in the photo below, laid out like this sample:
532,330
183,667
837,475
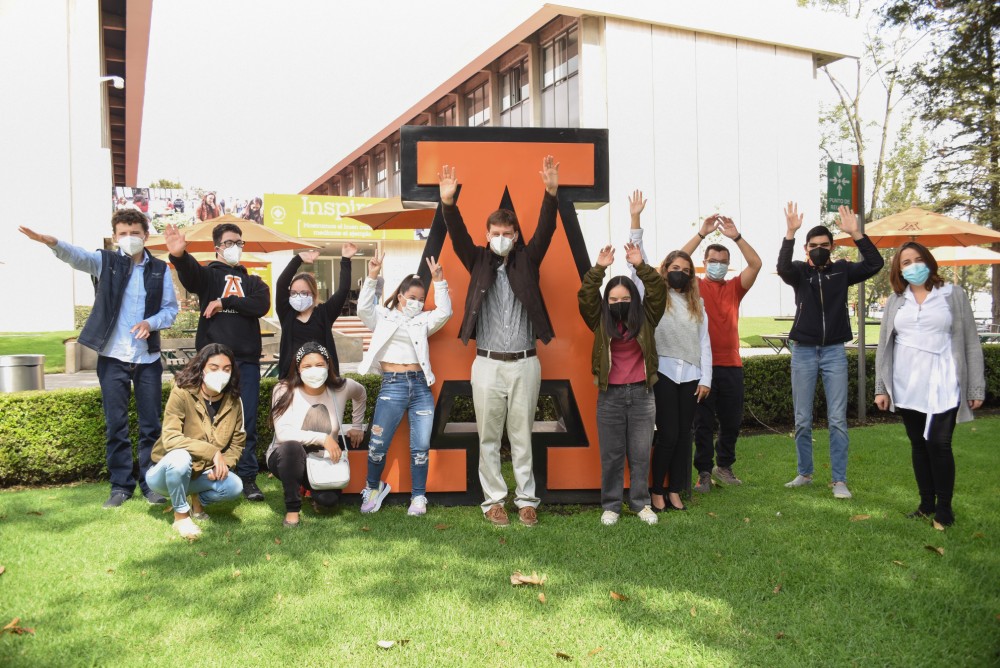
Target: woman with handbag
400,330
929,368
307,409
202,438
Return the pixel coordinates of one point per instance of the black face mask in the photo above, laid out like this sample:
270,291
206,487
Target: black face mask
819,256
678,280
619,310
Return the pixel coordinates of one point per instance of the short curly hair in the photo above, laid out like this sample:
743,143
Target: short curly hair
130,217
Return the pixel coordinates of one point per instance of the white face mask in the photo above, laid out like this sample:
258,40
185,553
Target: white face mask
501,245
232,255
131,245
314,376
412,307
300,302
216,381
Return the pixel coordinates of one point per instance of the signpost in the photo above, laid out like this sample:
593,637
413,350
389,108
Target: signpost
845,186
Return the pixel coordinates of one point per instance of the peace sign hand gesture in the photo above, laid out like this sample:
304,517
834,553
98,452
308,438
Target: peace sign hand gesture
436,271
375,264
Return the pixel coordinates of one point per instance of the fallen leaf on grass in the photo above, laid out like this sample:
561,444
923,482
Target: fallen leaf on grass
14,629
937,525
860,518
236,574
939,550
239,550
442,527
594,651
541,597
203,554
2,569
365,528
694,612
503,541
166,510
34,512
326,563
899,563
563,655
518,578
618,597
747,520
403,641
277,541
712,515
781,634
979,534
777,589
386,644
268,557
111,570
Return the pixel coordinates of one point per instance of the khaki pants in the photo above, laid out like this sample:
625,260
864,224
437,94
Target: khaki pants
506,393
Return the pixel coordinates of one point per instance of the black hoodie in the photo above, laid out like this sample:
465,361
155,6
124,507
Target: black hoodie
821,317
245,299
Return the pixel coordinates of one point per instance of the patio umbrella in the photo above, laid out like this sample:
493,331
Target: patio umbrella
247,259
965,256
925,227
393,214
258,239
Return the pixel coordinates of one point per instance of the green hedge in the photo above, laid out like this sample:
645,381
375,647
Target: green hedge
58,436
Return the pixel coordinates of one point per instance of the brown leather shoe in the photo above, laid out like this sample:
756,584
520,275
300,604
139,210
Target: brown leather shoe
528,516
497,515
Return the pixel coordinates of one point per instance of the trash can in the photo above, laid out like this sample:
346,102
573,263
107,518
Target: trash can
22,372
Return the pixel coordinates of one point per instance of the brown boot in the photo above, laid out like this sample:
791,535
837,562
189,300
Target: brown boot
497,515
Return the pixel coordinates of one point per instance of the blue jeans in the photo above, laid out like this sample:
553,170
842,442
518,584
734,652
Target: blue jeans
247,466
807,362
116,379
405,392
172,477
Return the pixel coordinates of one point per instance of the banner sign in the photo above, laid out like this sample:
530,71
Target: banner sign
325,217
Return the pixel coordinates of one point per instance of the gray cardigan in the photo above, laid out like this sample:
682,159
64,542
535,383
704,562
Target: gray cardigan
965,348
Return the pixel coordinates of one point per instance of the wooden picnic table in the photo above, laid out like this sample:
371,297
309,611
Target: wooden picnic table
776,342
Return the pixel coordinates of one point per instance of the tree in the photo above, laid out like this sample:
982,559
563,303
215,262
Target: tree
957,90
166,183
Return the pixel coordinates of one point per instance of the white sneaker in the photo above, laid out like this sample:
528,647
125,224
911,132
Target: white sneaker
187,528
800,481
648,516
609,517
840,491
418,506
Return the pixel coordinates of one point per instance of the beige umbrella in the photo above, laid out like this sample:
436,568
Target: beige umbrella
394,214
963,256
246,259
925,227
258,239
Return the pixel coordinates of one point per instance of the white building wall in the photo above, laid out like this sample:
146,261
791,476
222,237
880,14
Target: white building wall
706,124
54,177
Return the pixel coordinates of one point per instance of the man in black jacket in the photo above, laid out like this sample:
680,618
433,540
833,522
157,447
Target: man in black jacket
231,302
822,326
505,313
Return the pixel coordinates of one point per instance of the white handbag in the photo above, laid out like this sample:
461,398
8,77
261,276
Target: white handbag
324,473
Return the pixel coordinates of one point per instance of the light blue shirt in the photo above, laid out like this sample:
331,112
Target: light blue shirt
122,344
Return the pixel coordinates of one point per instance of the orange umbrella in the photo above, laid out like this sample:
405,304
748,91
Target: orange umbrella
925,227
965,256
394,214
258,239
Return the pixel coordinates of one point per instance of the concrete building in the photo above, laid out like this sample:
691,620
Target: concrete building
710,107
67,137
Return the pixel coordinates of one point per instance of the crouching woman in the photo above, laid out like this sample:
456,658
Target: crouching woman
202,438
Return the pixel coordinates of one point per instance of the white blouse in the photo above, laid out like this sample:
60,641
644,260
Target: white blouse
924,377
400,349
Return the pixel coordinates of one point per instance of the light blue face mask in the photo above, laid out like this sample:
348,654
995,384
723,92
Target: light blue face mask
716,270
916,273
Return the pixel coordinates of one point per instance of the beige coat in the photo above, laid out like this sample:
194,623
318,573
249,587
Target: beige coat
186,426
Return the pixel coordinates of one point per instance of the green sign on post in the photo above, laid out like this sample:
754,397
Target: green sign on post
840,185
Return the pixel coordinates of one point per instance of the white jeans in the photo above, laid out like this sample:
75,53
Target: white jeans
506,393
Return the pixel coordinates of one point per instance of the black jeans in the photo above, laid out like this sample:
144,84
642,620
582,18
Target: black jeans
675,405
246,467
933,459
288,462
724,404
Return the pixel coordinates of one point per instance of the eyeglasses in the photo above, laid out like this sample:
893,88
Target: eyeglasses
300,294
826,244
230,244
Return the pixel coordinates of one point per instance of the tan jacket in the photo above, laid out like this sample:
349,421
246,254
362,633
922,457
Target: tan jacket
186,425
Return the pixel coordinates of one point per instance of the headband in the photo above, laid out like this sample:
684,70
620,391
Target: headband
308,349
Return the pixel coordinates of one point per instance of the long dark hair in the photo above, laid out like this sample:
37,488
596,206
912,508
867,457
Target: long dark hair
191,376
293,381
896,279
635,312
407,283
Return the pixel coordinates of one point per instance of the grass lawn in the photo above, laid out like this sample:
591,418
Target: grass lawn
49,344
752,328
757,575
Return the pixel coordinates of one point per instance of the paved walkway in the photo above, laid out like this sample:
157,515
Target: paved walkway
54,381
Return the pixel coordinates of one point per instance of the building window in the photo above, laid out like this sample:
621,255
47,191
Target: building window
445,117
477,106
395,166
363,180
515,108
334,187
381,174
347,181
560,84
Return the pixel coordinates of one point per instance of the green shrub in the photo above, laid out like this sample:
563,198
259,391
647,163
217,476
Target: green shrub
80,315
186,320
58,436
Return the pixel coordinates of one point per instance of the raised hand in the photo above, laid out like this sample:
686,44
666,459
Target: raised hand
348,250
176,243
728,227
309,256
636,203
793,219
448,184
437,273
709,225
606,257
633,254
550,174
46,239
375,264
847,221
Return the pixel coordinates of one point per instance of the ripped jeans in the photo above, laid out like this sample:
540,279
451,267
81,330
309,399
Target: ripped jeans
401,393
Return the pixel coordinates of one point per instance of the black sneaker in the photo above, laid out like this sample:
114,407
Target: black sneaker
155,499
252,491
116,500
